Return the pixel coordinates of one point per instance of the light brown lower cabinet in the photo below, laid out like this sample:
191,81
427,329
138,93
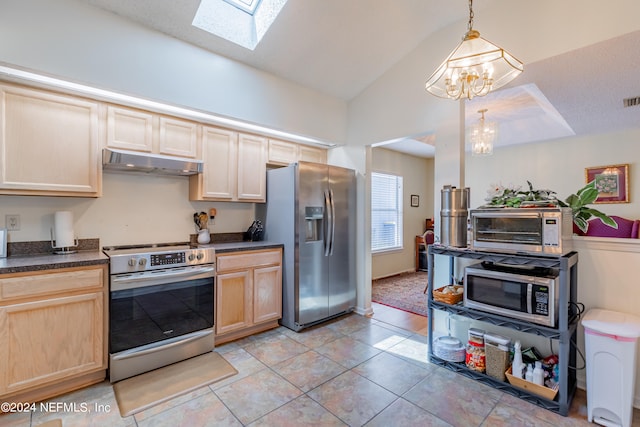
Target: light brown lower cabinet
248,293
53,336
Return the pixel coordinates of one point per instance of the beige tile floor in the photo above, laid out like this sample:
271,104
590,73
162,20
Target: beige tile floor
352,371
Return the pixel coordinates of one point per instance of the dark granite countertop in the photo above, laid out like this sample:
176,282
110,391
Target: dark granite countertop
244,246
37,256
37,262
28,256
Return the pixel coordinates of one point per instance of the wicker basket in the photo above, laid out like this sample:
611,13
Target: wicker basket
439,296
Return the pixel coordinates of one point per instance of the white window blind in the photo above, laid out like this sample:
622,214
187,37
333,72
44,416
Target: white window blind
386,212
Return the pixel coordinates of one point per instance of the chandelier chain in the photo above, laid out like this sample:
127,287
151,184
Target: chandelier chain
470,25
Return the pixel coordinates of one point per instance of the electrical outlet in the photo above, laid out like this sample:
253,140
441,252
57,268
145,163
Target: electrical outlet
12,222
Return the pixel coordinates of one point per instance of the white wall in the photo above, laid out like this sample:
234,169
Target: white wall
134,209
417,179
559,165
84,44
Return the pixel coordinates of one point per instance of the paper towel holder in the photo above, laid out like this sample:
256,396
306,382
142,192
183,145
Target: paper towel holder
64,250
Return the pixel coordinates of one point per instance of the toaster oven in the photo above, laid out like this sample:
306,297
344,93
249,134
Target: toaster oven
530,231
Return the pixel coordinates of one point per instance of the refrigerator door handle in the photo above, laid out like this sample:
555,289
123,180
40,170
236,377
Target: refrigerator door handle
327,223
333,222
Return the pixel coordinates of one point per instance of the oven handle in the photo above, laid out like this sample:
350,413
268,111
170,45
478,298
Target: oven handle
155,348
128,281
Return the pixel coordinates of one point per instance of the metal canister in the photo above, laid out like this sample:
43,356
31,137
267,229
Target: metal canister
454,206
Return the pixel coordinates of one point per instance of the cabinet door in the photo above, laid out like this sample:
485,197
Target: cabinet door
267,294
178,137
233,301
129,129
49,340
281,152
312,154
252,168
48,144
219,178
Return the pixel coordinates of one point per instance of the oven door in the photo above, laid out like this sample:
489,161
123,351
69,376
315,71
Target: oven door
155,306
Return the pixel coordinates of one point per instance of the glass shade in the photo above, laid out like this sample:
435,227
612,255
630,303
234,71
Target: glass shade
482,136
474,68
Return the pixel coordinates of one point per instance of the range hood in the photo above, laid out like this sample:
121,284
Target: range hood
132,161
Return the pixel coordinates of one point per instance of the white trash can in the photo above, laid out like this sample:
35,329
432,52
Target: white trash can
610,343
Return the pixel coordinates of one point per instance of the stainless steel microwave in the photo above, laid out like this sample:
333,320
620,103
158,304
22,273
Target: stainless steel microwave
525,294
531,231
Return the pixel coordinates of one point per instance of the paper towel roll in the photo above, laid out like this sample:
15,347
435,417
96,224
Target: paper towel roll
63,229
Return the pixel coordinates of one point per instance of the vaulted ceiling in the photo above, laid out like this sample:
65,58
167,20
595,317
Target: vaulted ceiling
334,46
340,47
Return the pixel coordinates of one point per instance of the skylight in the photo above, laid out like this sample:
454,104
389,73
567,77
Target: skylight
243,22
248,6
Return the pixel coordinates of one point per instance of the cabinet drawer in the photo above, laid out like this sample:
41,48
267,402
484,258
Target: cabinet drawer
28,285
244,260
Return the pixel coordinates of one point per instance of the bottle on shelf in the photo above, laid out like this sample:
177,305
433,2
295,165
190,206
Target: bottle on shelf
517,367
529,375
538,374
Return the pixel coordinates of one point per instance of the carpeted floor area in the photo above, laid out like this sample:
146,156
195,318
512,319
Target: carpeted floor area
404,291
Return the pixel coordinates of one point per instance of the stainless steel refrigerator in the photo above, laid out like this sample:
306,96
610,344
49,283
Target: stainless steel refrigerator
311,208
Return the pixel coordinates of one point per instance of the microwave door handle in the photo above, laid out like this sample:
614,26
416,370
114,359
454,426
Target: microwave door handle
529,294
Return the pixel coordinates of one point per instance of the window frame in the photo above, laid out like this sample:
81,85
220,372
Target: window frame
398,214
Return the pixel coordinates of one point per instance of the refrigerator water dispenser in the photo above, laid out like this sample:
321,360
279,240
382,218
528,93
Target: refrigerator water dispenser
313,216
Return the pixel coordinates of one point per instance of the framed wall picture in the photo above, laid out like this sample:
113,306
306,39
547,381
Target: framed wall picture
415,200
612,182
3,242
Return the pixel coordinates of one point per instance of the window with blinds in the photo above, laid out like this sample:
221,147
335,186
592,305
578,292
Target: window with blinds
386,212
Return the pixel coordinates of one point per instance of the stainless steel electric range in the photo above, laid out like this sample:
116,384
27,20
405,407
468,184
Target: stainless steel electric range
161,306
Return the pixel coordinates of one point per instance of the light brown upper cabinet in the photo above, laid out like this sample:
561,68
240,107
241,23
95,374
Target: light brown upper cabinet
49,144
139,130
284,152
312,154
234,167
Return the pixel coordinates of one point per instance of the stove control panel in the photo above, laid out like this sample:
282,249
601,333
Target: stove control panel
135,260
167,258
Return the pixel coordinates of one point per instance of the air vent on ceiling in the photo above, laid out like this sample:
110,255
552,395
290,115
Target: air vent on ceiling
631,102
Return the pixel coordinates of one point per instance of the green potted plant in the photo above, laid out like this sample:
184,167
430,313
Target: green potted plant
581,212
514,197
511,197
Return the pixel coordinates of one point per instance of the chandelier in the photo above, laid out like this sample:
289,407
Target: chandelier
482,136
474,68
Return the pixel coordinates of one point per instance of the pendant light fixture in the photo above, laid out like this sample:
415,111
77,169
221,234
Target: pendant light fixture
474,68
482,136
